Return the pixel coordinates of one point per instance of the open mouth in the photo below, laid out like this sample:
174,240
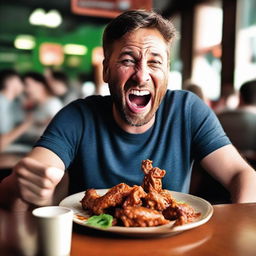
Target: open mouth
138,100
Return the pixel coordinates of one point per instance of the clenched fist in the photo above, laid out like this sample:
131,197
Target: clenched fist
36,181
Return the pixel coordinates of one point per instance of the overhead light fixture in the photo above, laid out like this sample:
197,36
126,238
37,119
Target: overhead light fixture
37,17
75,49
24,42
50,19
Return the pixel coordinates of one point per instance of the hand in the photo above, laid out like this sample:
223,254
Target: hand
37,182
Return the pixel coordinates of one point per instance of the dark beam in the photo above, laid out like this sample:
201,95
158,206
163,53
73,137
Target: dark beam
228,44
186,42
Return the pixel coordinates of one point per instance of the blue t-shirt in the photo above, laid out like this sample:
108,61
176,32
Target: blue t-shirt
99,154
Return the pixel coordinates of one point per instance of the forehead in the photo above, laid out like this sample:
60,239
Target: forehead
143,39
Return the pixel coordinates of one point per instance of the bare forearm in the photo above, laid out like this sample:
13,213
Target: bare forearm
243,187
9,195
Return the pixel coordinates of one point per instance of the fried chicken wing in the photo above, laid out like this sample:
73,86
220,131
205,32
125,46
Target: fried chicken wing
114,197
146,166
181,212
167,195
156,201
138,216
135,196
89,199
153,180
140,206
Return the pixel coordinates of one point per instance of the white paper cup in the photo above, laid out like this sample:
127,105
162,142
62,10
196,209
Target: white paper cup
54,230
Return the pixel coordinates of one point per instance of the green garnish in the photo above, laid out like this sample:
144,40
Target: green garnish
100,221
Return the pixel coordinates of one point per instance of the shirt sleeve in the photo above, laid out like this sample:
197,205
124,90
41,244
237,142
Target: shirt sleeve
64,132
206,130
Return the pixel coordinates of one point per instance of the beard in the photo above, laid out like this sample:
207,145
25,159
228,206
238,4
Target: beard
129,117
137,121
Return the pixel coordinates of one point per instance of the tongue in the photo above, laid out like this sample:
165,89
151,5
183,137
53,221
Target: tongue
140,101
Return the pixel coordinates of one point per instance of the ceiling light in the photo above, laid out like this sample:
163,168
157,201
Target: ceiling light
24,42
75,49
37,17
52,19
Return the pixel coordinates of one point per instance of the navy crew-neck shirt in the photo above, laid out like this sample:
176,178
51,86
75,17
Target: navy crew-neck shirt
97,153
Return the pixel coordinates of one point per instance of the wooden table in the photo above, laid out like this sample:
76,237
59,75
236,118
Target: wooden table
230,232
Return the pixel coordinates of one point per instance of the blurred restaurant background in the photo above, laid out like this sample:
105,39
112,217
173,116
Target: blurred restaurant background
215,49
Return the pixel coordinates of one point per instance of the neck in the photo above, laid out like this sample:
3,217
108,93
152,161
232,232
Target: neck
129,128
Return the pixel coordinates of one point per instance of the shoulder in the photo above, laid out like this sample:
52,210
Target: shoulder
92,103
181,99
87,106
180,95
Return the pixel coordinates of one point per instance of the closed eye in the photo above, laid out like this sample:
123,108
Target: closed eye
128,62
155,63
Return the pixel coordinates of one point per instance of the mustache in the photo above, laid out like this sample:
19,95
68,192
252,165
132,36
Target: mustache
134,85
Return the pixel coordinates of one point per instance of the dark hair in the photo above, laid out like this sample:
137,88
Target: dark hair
6,74
248,92
39,78
132,20
196,89
60,76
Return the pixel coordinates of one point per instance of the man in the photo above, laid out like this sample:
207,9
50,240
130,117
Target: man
11,125
101,141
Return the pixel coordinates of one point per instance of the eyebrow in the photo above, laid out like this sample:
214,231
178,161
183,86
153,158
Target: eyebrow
126,52
131,53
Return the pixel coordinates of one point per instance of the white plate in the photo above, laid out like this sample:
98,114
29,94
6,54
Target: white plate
199,204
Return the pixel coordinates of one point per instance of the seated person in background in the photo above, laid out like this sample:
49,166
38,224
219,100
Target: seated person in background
59,84
196,89
101,140
87,84
240,123
12,121
229,100
41,102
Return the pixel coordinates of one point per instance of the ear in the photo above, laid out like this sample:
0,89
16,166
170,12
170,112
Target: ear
105,71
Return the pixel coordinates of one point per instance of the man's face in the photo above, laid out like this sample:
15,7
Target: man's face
137,74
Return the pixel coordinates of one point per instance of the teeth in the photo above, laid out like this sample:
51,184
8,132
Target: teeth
139,93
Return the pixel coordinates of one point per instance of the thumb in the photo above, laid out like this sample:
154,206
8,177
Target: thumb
54,174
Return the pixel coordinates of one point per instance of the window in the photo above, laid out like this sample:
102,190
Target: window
206,66
245,63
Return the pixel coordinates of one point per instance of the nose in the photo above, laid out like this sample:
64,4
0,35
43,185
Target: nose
141,74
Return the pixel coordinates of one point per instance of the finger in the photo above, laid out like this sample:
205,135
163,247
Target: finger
52,173
34,178
29,197
35,192
32,165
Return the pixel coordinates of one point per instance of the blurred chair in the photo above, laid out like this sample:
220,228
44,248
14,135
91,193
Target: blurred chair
240,123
